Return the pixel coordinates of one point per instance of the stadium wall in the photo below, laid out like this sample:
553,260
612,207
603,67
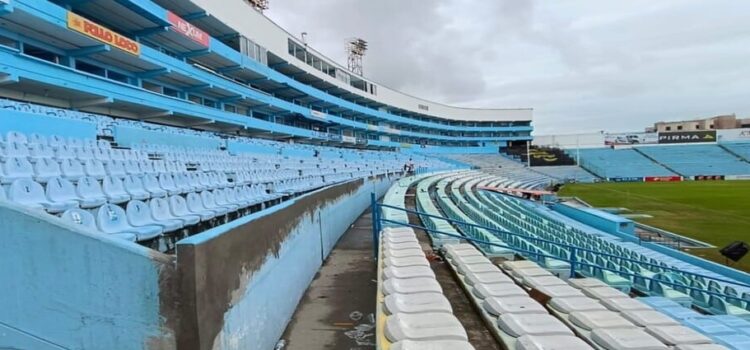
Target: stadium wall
602,220
242,282
64,287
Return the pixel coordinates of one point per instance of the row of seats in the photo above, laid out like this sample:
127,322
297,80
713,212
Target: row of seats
694,160
611,163
515,318
412,311
605,316
507,214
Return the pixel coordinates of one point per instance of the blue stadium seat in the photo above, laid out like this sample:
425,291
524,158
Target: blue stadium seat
90,192
72,169
114,190
134,187
160,210
16,168
45,169
151,184
139,215
29,193
112,219
179,207
60,190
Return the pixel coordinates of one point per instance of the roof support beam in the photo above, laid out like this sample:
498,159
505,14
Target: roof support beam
229,69
155,115
5,8
8,79
195,15
92,102
195,53
90,50
204,122
196,88
150,31
154,73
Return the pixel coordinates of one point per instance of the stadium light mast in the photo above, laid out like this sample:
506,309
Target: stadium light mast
355,50
260,5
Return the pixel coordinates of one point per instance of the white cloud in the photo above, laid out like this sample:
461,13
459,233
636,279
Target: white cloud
582,65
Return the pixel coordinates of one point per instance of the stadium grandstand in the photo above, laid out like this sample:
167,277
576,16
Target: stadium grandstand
183,174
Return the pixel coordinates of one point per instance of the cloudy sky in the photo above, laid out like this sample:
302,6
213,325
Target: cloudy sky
583,65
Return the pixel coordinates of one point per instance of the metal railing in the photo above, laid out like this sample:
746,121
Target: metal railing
573,259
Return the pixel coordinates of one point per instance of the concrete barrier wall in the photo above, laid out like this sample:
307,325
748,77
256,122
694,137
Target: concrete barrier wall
240,283
63,287
599,219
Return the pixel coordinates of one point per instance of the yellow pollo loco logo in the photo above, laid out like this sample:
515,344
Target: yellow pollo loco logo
103,34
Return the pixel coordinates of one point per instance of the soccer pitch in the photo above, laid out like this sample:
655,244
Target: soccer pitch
716,212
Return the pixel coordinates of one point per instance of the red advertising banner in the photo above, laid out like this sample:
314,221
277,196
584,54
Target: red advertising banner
185,28
663,178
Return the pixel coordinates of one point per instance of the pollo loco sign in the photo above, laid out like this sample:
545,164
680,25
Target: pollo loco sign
103,34
185,28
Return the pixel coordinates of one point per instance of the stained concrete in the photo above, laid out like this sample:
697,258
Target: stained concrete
337,311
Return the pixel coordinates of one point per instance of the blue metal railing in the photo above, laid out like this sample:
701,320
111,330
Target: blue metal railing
572,258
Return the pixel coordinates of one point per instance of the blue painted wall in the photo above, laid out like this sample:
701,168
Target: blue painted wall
29,123
264,303
602,220
127,136
62,287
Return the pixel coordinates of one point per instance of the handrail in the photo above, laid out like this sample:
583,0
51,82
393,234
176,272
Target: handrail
573,261
377,206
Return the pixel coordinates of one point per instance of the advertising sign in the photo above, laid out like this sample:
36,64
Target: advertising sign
663,178
708,177
348,139
687,136
626,179
737,177
184,27
631,138
733,135
105,35
318,115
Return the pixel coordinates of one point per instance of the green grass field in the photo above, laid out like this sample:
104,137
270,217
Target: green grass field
716,212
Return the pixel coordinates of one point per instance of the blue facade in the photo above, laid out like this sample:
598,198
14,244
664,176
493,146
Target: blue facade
166,82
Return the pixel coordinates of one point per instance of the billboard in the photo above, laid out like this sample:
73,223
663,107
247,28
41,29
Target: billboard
184,27
631,138
103,34
687,136
708,177
626,179
733,135
318,115
663,178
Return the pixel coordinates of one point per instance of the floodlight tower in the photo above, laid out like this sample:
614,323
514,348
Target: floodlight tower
260,5
355,50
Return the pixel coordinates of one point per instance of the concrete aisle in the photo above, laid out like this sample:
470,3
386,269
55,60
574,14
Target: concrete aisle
337,311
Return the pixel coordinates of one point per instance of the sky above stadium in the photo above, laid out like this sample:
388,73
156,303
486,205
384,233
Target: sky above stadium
582,65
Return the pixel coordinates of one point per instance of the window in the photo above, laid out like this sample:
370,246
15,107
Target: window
668,128
679,127
712,126
40,53
698,127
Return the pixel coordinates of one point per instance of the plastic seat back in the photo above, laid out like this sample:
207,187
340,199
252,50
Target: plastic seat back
139,213
16,136
88,187
61,190
111,219
75,142
178,206
115,168
37,139
133,184
84,154
64,152
56,141
195,202
26,192
72,169
38,151
46,168
18,168
80,217
94,168
113,186
160,209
